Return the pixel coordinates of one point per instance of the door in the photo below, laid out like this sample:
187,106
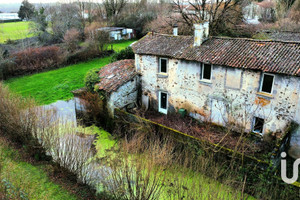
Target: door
163,102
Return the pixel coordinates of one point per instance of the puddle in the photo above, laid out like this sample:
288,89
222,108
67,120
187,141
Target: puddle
67,109
74,147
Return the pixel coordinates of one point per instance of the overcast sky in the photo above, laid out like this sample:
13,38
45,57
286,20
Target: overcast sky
37,1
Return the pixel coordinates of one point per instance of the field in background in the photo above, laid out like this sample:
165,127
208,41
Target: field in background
48,87
14,31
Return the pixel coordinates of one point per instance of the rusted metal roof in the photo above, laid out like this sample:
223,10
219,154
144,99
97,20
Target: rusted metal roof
114,75
268,56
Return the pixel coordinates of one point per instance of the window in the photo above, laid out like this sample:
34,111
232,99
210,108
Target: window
163,102
206,72
163,65
258,125
267,83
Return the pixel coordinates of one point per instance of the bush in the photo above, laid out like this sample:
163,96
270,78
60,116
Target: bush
5,66
23,122
35,59
295,12
84,54
123,54
91,78
71,39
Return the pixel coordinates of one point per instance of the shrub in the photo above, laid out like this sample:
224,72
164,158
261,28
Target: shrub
23,122
35,59
94,109
5,67
295,12
91,78
90,30
123,54
84,54
71,39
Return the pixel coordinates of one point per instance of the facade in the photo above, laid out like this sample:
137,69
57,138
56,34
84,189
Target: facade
119,83
253,85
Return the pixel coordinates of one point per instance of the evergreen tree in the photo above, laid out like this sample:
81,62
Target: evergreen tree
26,10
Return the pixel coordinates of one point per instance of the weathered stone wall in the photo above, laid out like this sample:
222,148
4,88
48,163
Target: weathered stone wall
125,96
231,96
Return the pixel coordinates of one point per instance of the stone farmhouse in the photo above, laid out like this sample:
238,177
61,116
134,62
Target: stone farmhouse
229,81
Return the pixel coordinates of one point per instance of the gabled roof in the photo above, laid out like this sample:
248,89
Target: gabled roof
114,75
268,56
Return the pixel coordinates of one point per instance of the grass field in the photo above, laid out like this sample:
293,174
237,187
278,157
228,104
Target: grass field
14,31
48,87
31,181
122,44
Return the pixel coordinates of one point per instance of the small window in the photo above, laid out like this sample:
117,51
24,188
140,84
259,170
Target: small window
206,72
163,65
258,125
267,83
163,102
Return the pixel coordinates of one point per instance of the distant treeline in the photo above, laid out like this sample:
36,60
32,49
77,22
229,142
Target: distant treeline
10,20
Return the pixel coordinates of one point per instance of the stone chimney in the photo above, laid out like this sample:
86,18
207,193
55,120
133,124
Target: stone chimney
175,29
201,33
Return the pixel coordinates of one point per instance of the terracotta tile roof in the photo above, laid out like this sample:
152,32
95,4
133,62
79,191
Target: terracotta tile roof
114,75
268,56
285,36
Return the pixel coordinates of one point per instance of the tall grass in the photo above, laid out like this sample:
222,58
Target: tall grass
43,134
146,164
194,171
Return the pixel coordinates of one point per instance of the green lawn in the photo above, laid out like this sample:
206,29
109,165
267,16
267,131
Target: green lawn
18,176
48,87
14,31
119,45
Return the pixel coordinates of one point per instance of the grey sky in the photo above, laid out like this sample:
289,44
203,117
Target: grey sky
38,1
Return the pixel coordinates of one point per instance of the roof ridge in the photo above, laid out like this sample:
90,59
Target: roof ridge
169,35
228,38
256,40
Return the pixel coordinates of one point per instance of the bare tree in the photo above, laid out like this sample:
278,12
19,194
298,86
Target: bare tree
217,12
81,11
64,17
113,7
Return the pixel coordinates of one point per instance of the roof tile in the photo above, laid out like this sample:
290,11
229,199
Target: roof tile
114,75
268,56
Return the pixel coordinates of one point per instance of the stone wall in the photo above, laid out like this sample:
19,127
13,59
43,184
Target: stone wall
232,96
125,96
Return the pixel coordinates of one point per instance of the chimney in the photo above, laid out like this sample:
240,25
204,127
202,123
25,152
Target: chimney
175,29
201,33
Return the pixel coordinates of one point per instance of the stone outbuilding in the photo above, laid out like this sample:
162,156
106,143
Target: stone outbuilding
119,83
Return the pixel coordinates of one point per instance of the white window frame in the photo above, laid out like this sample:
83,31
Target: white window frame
202,72
160,109
262,81
253,125
159,65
